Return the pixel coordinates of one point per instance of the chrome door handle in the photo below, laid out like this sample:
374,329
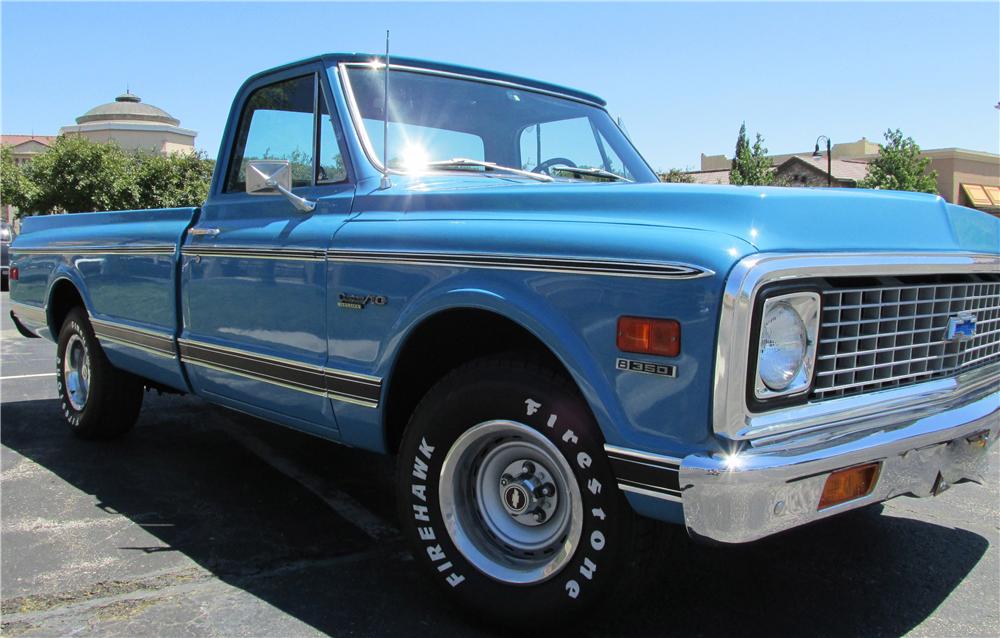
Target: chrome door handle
204,232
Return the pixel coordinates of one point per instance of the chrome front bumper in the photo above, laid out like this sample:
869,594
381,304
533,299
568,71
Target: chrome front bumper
761,491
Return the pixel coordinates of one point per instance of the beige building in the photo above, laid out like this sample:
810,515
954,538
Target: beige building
127,121
134,126
22,149
25,147
970,178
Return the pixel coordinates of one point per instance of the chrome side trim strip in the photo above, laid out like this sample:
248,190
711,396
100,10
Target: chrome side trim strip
646,473
336,384
255,252
151,249
29,313
154,342
731,417
203,364
650,491
131,344
568,265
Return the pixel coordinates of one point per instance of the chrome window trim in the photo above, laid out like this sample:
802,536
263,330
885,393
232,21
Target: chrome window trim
359,125
731,416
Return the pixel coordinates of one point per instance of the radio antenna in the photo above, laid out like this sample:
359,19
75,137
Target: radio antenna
385,119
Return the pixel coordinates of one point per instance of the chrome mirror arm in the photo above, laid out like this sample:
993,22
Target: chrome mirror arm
300,203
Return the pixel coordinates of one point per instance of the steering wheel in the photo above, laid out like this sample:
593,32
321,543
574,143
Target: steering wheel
549,163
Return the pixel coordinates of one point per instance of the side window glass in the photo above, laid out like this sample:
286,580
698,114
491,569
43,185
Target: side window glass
277,123
331,163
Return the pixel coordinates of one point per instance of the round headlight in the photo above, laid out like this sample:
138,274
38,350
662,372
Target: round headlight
782,346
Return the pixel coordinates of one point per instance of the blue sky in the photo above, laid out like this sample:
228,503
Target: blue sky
682,76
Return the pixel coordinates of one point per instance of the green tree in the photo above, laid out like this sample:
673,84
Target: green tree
172,181
900,167
15,188
677,176
78,175
751,165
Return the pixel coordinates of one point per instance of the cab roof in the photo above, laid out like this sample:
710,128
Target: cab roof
329,59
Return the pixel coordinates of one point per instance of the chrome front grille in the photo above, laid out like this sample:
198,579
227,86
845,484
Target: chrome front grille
883,336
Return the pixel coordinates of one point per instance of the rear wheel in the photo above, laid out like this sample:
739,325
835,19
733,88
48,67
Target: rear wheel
98,400
509,498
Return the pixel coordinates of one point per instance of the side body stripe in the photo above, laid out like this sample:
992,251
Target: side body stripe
644,473
649,269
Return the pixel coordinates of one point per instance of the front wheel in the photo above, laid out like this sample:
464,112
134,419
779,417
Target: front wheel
509,498
98,400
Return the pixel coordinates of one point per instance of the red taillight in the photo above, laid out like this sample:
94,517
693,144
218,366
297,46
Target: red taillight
649,336
13,273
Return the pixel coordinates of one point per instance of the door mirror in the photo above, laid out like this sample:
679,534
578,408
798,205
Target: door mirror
269,177
264,176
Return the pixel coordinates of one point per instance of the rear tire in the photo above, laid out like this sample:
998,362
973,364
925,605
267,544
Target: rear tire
462,485
98,400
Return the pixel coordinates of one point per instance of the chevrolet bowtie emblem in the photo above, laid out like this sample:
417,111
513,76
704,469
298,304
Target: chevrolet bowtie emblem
961,326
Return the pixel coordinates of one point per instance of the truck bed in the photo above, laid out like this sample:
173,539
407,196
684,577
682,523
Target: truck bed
128,262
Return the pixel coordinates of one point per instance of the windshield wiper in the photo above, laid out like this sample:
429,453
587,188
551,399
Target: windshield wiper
596,172
459,162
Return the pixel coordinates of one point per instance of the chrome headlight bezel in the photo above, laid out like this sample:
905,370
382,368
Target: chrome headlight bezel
806,304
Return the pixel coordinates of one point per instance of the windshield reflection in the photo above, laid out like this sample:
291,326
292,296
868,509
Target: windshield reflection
436,119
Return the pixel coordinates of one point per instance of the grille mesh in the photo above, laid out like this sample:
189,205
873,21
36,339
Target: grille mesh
884,336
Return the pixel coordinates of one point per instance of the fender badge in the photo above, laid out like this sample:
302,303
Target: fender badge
661,369
358,302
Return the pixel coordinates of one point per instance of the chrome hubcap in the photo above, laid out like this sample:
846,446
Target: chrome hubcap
76,372
510,502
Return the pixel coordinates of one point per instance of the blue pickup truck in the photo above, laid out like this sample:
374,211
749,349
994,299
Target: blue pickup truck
479,274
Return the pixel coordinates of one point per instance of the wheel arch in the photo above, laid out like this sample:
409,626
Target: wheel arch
483,327
64,295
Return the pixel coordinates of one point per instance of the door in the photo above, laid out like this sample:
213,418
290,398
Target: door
254,267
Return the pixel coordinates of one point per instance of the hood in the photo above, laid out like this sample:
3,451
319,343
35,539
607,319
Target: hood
770,219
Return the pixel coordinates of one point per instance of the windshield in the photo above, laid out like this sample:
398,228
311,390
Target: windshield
435,118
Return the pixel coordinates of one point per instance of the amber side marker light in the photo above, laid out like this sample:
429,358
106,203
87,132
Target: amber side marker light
849,484
649,336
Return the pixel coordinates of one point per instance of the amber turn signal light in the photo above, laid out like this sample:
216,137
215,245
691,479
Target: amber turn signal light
649,336
849,484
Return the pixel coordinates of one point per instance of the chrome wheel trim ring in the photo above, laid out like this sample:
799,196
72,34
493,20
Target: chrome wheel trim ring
76,372
474,514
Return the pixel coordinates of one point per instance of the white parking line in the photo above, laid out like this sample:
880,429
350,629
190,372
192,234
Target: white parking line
28,376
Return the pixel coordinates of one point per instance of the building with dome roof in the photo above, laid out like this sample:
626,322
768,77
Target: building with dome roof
134,125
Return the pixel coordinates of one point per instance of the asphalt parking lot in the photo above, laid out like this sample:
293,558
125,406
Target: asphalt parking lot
204,522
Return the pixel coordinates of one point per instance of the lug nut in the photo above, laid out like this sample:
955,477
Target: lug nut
540,516
528,468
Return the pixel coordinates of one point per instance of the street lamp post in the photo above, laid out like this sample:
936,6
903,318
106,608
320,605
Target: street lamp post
829,159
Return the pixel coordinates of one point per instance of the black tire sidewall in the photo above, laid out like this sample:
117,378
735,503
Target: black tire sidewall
80,421
490,392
